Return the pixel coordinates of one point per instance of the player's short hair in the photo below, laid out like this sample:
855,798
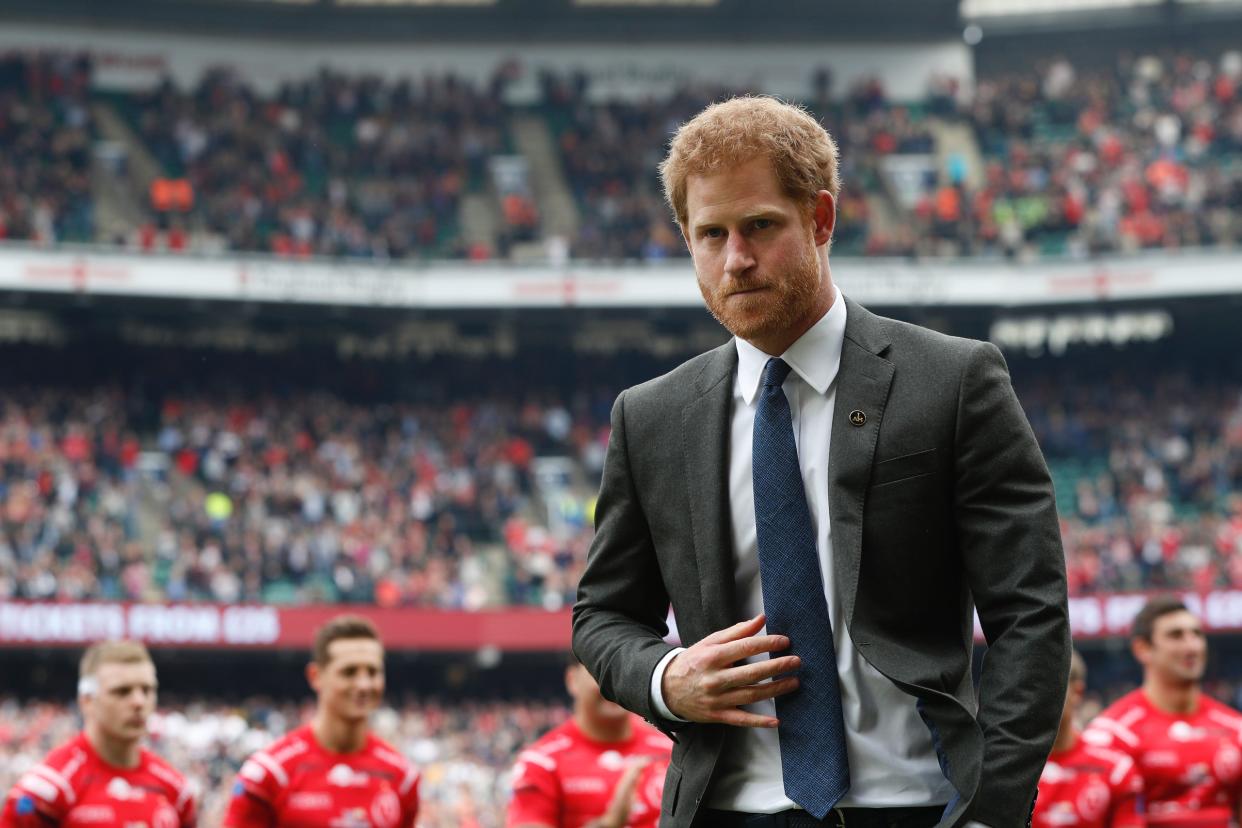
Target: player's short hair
740,129
108,652
1078,667
341,627
1145,622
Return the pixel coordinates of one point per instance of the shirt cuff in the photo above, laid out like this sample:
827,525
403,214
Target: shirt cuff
657,691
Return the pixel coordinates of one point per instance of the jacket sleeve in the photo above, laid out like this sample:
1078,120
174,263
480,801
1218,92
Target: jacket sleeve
619,618
1010,543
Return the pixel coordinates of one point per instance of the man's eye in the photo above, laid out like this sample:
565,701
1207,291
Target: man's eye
763,224
713,233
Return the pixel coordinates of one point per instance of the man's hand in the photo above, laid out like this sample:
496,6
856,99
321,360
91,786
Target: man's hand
703,685
618,813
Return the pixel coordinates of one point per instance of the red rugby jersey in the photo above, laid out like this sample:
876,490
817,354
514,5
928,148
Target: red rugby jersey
73,787
1191,764
296,783
566,779
1089,787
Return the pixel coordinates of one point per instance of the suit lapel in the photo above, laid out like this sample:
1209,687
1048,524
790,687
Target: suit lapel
863,383
705,449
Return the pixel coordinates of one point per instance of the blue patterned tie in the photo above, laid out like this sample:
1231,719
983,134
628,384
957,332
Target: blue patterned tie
812,730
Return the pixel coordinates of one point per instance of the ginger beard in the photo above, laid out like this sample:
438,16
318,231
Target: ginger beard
785,296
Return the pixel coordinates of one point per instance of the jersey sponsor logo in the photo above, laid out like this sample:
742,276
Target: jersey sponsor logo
1162,759
94,815
344,776
611,760
310,801
38,786
1093,800
1061,813
1054,773
1227,763
118,788
25,805
584,784
385,809
1186,732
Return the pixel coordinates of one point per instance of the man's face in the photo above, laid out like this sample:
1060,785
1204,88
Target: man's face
1177,651
351,685
123,702
754,251
588,700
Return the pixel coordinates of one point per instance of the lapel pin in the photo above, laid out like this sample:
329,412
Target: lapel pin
858,418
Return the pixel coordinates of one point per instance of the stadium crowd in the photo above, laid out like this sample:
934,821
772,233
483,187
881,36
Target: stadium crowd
301,499
47,132
307,498
1078,160
610,151
329,166
1068,160
1148,471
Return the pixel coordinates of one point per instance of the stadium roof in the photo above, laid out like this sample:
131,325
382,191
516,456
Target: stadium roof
509,20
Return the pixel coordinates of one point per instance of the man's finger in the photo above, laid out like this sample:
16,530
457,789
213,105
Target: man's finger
758,692
742,629
756,672
734,651
741,718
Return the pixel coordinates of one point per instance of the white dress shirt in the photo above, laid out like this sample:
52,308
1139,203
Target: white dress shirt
892,761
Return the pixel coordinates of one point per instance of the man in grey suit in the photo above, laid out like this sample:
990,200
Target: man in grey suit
854,484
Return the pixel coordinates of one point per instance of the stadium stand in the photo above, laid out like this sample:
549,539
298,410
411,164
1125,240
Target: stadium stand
46,130
332,166
1090,161
307,497
300,499
1070,161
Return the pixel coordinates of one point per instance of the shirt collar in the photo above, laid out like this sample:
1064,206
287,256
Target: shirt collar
815,356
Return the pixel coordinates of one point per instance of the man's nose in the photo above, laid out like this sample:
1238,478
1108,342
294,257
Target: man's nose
739,257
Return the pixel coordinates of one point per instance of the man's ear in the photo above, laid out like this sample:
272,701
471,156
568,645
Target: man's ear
312,676
825,217
1141,649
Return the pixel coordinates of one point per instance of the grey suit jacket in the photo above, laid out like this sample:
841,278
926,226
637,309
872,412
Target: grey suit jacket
939,502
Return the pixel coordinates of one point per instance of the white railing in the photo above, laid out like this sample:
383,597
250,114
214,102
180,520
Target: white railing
448,285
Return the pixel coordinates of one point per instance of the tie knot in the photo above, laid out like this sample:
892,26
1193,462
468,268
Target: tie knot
775,372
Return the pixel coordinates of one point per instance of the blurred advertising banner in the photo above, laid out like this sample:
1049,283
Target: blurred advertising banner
1110,616
29,624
